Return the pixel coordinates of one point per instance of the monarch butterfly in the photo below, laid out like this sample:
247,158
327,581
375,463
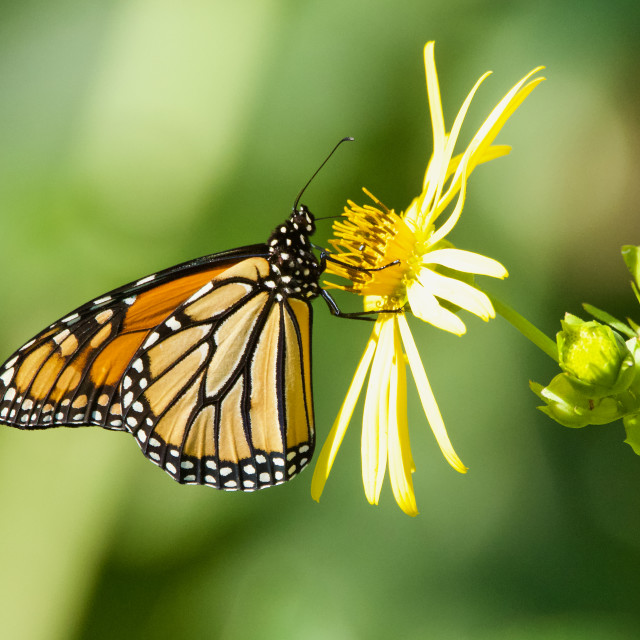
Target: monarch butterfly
207,364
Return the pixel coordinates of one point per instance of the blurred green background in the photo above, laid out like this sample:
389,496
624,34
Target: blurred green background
135,135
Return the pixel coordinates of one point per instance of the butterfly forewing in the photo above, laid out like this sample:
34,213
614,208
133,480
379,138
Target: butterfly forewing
70,373
219,393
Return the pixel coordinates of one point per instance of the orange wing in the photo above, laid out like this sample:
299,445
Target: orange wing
220,392
70,373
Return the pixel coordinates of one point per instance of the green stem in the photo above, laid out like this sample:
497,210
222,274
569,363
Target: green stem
525,328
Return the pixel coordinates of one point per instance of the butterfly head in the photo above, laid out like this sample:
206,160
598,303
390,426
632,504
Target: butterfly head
303,220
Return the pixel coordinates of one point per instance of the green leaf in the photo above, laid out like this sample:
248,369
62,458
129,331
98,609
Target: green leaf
632,427
635,290
631,256
603,316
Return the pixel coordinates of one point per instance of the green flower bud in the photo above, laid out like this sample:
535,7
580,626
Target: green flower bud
568,406
595,357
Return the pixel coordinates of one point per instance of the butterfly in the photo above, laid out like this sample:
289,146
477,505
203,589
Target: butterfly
206,364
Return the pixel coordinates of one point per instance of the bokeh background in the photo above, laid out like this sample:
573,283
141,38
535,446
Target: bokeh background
135,135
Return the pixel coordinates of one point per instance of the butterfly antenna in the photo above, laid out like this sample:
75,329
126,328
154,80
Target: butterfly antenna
328,217
347,139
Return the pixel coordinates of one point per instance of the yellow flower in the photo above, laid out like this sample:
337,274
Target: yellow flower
431,278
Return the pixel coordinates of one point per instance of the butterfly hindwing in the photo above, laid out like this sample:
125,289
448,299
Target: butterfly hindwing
220,392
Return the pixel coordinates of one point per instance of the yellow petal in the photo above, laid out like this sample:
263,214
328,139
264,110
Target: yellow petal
476,152
459,293
433,94
439,177
400,461
339,428
436,162
499,116
455,215
375,415
427,398
427,308
423,201
466,261
489,153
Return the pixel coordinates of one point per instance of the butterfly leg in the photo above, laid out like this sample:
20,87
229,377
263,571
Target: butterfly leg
355,315
370,316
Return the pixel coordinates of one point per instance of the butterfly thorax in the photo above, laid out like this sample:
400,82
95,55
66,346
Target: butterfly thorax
295,270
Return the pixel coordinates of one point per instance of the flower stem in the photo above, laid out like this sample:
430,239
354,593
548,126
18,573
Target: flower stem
527,329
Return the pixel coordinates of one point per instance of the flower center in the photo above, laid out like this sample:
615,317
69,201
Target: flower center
367,244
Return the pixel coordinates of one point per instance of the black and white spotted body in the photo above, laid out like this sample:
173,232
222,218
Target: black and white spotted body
295,270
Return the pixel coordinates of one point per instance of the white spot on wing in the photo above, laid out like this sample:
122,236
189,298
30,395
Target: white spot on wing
58,338
200,292
6,378
147,279
173,324
151,340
